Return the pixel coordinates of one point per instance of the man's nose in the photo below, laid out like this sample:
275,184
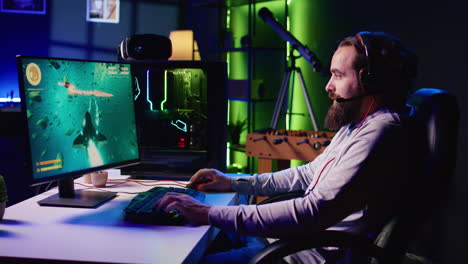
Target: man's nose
329,87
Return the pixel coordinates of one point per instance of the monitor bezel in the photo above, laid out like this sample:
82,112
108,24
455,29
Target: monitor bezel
28,157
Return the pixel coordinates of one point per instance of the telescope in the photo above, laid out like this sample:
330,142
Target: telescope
267,16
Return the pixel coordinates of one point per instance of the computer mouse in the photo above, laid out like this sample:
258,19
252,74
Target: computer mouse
196,184
172,217
175,215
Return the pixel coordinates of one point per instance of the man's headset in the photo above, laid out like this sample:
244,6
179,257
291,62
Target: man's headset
387,60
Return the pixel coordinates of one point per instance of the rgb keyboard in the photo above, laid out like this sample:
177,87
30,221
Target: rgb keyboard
140,209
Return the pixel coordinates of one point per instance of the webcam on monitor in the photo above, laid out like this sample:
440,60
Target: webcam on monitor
145,47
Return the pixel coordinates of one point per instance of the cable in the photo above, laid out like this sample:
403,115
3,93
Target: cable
320,174
157,183
367,113
142,182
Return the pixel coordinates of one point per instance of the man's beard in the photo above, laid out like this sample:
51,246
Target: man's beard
340,114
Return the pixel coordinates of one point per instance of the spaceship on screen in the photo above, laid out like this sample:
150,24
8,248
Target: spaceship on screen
88,133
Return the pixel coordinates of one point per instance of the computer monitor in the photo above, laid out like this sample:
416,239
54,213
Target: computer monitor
181,111
80,118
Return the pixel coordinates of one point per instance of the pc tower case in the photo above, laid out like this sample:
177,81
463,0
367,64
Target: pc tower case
181,109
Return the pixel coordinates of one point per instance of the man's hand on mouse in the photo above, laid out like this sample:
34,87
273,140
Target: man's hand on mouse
212,179
193,210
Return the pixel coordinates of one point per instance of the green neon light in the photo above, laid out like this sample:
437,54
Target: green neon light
228,29
147,91
165,91
137,85
228,145
288,53
288,28
228,62
228,156
228,19
179,124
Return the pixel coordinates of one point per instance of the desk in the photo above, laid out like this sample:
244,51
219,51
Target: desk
100,234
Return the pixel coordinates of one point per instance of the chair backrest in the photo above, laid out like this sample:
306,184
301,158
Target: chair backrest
433,131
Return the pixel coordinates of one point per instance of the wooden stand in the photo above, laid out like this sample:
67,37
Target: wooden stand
286,145
283,146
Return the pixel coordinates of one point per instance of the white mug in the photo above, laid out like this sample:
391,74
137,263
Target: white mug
97,179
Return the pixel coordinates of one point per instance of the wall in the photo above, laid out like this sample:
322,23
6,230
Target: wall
64,32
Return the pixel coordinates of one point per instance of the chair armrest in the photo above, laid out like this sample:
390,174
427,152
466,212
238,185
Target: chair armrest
282,248
279,249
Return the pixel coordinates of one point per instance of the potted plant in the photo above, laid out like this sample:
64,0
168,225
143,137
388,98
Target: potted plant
235,128
3,196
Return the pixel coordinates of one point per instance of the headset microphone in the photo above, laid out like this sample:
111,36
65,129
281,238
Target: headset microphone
342,100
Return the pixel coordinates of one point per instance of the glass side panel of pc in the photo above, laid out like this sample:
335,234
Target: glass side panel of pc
181,115
80,118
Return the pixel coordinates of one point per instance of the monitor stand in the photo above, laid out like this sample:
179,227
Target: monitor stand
69,197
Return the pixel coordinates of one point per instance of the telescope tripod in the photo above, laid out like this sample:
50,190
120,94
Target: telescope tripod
285,88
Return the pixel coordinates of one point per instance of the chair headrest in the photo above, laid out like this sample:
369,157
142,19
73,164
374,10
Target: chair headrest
433,135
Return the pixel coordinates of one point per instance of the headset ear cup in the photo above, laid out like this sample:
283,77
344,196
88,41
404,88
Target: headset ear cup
364,79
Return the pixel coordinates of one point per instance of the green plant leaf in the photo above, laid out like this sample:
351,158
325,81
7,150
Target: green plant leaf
3,191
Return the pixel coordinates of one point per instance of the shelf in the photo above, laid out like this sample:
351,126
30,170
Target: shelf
256,56
237,147
227,3
246,49
252,100
167,2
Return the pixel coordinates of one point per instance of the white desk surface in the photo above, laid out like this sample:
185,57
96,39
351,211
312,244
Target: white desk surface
100,234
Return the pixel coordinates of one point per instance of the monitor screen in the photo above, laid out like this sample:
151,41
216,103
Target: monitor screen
80,116
181,111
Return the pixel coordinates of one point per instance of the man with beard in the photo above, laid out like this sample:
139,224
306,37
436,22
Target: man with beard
352,186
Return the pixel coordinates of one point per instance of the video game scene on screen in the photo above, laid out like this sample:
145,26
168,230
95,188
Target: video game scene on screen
73,104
